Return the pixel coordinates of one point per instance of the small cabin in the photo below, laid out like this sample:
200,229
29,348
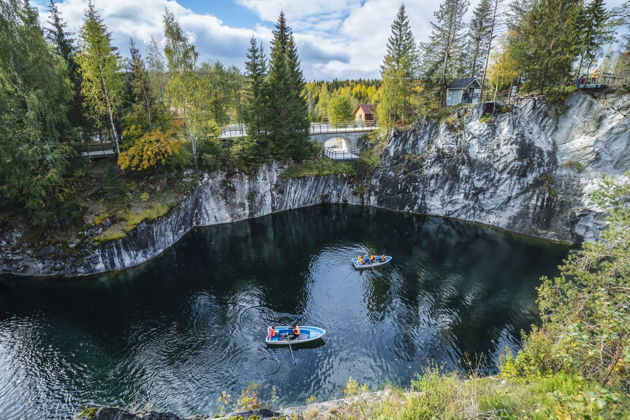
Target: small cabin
463,91
363,113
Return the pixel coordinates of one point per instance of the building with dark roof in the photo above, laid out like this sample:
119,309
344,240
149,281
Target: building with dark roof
363,112
463,91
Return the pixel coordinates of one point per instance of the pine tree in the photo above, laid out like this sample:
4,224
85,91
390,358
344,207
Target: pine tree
288,113
102,81
442,56
593,33
479,37
256,99
399,70
545,44
35,95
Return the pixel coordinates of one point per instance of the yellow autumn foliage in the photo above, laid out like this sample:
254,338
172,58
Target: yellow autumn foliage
152,148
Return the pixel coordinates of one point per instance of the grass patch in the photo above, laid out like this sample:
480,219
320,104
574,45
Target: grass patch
575,165
110,234
448,396
134,218
319,167
130,219
100,218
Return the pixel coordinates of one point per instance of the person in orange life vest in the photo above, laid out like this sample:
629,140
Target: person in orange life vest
360,259
296,331
372,258
382,258
272,332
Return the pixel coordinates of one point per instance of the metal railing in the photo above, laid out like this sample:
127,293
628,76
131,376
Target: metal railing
342,127
239,130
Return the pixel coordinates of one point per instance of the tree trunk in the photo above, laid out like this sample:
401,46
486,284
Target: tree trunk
110,111
485,69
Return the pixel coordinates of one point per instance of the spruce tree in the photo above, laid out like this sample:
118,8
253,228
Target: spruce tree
442,56
102,83
398,72
256,98
64,45
545,44
140,114
479,37
288,112
401,46
593,33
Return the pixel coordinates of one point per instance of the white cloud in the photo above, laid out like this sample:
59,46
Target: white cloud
335,38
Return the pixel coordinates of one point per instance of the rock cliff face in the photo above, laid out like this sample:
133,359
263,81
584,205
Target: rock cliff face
524,170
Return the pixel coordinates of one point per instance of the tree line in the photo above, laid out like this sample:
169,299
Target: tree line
536,43
60,92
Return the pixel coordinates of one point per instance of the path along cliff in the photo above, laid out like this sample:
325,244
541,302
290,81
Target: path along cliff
522,168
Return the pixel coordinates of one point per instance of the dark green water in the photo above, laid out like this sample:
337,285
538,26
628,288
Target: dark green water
173,333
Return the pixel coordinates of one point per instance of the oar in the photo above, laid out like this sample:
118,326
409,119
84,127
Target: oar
291,350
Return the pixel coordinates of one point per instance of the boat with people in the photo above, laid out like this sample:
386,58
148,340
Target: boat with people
292,335
370,261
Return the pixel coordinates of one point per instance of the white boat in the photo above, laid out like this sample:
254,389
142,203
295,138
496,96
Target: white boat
368,264
284,335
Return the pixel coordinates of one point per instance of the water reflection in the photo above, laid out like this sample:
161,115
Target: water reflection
173,333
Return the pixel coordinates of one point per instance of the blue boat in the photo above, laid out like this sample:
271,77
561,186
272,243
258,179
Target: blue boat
368,264
284,335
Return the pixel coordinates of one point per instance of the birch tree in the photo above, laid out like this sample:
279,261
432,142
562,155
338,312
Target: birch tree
102,82
35,94
183,82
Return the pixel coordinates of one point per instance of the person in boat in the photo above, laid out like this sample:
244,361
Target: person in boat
296,332
272,332
382,258
360,259
372,258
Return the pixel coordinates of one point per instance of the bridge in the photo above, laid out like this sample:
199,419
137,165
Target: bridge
339,139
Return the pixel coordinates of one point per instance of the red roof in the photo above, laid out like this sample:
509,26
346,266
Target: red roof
367,108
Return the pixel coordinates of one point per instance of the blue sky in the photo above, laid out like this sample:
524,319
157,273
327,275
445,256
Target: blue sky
335,38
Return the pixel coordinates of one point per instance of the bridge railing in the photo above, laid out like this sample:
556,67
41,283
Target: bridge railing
341,127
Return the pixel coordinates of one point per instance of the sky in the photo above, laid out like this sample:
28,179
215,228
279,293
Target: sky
336,38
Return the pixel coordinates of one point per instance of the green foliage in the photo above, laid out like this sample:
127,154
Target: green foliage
152,149
249,398
545,43
442,56
288,123
223,403
584,310
34,97
575,165
398,73
340,108
353,388
102,84
87,413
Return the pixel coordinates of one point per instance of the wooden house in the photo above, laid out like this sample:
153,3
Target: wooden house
363,113
463,91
